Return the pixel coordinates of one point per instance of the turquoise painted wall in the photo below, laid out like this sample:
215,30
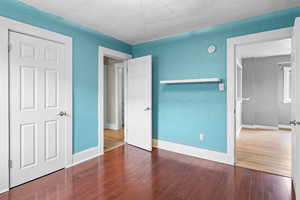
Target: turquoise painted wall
181,112
85,65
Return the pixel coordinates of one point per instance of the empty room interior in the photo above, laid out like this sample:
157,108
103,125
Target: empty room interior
263,106
149,99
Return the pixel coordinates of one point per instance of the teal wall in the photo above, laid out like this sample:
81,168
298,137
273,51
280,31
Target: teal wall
181,112
85,64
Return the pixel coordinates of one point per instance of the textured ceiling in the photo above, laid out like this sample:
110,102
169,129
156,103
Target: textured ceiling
135,21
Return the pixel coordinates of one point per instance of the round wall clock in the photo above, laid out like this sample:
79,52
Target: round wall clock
211,49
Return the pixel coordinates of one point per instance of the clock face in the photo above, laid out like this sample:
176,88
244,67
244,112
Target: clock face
211,49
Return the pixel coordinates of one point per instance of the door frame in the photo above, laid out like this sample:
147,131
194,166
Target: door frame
7,25
103,51
231,78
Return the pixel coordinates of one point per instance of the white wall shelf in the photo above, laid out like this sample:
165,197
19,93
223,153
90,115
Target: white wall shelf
201,80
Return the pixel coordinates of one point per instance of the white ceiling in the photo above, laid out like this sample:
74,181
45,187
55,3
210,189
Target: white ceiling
272,48
136,21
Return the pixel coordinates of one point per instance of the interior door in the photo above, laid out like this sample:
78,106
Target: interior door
37,125
295,107
139,102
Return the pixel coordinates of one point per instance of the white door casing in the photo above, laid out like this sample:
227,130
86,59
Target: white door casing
139,102
295,106
101,73
7,25
239,97
4,108
272,35
37,95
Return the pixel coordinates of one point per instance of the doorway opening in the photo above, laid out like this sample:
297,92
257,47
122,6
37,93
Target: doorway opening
263,106
112,98
113,103
134,121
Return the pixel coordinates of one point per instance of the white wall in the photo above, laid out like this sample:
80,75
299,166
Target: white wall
239,95
113,92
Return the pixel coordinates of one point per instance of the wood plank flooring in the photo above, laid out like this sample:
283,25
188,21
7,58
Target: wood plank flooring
129,173
265,150
113,138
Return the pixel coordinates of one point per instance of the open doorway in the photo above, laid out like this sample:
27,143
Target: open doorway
113,103
263,106
133,79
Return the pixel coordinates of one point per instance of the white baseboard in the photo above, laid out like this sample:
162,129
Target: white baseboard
78,158
239,131
260,127
5,190
266,127
112,126
193,151
85,155
284,126
247,126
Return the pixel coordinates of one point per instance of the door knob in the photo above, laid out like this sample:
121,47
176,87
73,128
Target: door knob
294,123
62,113
146,109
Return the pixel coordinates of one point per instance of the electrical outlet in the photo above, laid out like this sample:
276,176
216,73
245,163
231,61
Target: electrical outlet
221,87
201,137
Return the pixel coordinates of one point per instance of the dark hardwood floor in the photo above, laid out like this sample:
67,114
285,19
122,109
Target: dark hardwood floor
130,173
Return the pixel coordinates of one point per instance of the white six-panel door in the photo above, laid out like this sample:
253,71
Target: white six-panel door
37,132
139,102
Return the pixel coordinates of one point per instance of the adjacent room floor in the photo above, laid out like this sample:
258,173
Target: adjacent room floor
113,138
131,173
265,150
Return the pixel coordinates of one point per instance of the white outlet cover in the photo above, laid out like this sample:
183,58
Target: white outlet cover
221,87
201,137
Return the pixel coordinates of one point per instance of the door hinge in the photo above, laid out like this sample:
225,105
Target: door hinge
9,47
10,164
